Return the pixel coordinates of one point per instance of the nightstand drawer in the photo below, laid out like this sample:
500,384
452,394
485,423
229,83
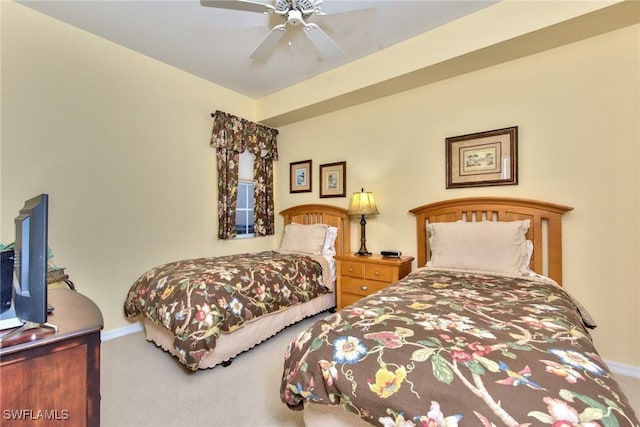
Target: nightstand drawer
352,269
361,287
361,276
379,272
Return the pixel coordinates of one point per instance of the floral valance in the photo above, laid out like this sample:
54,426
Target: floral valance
238,134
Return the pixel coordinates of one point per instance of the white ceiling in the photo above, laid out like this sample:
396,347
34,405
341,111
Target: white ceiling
215,44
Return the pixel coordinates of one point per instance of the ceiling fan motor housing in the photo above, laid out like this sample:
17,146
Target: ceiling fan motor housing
286,7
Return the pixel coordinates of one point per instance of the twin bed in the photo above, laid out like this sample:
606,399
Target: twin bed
207,311
472,337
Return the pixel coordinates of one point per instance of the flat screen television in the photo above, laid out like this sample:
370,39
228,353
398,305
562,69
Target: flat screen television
28,284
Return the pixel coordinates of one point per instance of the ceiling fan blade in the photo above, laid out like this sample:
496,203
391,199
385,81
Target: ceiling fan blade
326,7
328,48
243,5
269,42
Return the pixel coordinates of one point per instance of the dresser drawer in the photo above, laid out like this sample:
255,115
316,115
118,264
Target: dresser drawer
379,272
352,269
361,287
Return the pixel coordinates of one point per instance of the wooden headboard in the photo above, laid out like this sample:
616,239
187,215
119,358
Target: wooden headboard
323,214
545,231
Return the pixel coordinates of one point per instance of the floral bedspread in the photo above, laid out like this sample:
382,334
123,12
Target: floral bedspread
199,299
449,348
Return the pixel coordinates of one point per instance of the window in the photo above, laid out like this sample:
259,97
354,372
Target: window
263,142
244,207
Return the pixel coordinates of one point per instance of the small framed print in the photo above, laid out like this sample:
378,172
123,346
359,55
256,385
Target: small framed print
333,179
300,177
482,159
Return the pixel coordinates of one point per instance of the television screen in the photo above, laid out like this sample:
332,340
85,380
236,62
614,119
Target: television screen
30,288
29,296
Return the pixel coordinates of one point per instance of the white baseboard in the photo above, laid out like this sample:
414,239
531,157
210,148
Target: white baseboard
616,367
120,332
623,369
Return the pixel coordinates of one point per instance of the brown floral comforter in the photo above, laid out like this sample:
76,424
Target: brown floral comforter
450,348
199,299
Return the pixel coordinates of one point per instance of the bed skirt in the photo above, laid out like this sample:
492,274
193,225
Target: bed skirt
230,345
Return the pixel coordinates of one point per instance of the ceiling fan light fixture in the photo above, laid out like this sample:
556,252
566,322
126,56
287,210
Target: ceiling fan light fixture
294,18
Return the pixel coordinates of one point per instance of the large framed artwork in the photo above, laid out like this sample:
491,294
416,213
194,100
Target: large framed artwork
482,159
300,177
333,179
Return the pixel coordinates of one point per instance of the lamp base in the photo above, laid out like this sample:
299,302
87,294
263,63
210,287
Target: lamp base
363,238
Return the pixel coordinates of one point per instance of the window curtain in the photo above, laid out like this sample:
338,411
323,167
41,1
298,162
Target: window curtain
231,136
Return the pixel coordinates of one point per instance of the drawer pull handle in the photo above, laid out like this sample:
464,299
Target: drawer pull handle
377,273
350,269
364,287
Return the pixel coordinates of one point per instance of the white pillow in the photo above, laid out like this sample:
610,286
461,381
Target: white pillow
309,239
527,262
491,246
329,248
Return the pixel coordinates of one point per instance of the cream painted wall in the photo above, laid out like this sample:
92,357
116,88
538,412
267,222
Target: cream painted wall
578,112
120,143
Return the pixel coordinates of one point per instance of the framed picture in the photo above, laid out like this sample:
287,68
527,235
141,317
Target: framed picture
300,177
333,179
483,159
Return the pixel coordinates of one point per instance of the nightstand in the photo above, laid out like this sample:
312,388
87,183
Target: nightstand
359,276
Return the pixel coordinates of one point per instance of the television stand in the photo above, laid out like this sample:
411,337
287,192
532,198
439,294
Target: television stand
54,374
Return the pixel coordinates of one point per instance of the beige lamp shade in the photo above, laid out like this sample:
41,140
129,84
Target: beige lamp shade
363,203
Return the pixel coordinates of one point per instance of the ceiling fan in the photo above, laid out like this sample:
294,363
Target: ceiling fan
294,13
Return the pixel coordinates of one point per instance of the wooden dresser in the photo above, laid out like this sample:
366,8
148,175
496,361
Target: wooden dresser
359,276
53,378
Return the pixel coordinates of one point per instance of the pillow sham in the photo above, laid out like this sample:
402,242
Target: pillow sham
491,246
309,239
329,248
527,261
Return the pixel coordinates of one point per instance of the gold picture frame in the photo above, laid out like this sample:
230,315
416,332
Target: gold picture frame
300,177
333,179
482,159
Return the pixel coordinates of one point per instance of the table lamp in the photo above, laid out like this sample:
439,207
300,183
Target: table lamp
362,203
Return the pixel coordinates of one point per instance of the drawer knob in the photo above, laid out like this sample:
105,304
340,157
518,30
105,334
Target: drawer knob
377,273
364,287
350,269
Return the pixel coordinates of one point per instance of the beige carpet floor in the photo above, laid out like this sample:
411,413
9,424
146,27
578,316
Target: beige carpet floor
144,386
